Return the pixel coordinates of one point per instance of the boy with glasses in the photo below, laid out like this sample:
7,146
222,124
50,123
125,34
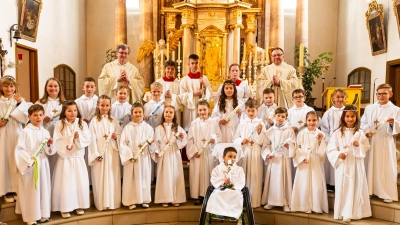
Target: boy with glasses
380,122
298,112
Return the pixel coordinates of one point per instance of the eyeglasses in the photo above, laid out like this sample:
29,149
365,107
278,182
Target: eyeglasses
123,53
381,94
298,97
277,55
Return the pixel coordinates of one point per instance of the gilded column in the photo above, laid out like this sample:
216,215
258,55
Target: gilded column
236,25
276,23
120,22
187,25
302,22
146,33
251,29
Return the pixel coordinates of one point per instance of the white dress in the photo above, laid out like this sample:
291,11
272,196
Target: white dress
226,202
329,123
121,112
229,129
200,168
381,160
264,111
70,182
33,203
278,178
351,189
252,161
106,175
187,87
297,116
8,139
175,101
243,91
309,187
154,120
170,186
136,188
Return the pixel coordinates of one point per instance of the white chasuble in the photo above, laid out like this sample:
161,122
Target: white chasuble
351,188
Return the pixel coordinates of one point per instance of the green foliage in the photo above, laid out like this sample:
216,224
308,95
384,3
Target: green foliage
313,69
111,55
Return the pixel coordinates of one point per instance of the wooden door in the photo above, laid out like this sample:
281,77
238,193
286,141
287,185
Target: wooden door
27,72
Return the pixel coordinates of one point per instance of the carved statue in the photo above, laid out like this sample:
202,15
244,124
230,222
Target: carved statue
145,50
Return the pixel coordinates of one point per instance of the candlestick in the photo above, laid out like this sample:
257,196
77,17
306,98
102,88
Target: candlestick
244,52
255,51
179,50
167,51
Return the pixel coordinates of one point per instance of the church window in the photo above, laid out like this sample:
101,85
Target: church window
361,75
67,77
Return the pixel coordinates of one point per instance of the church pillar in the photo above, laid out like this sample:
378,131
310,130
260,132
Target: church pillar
276,23
187,25
236,25
302,22
120,22
250,31
146,33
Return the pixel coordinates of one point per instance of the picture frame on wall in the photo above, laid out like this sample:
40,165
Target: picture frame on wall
376,28
29,22
396,9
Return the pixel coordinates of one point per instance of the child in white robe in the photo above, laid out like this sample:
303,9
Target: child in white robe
13,113
171,89
223,111
242,87
34,202
381,123
346,152
330,122
137,135
266,111
193,87
280,147
297,113
309,187
228,180
104,157
121,109
204,133
249,134
70,182
153,110
169,139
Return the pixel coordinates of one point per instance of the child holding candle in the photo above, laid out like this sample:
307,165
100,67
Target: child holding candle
204,133
135,157
227,111
104,157
13,113
280,146
346,151
309,188
34,202
52,101
154,108
249,135
70,177
242,87
266,111
169,139
121,109
381,123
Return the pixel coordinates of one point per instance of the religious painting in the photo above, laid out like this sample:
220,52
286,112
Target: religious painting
396,9
29,22
376,28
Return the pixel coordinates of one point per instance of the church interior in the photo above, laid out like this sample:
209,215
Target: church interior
73,39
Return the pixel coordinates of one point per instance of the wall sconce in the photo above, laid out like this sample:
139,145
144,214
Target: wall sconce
17,33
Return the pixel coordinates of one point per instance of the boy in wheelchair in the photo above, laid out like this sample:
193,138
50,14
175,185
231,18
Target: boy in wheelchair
228,180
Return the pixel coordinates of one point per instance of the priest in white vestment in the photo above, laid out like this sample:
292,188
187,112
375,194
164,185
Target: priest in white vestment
281,77
121,72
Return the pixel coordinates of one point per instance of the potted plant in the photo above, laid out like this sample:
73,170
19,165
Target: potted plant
111,55
313,69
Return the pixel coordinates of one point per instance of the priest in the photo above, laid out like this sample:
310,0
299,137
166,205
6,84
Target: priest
121,72
281,77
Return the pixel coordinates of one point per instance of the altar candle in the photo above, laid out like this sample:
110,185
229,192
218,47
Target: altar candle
179,50
244,52
301,55
250,57
167,51
262,57
255,52
173,56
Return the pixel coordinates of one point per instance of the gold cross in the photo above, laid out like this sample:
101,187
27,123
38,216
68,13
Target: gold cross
251,142
105,136
155,115
140,146
300,122
203,140
345,146
54,111
376,121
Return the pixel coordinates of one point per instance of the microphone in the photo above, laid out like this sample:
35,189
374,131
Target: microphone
331,81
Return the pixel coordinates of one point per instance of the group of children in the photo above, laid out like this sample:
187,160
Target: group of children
283,158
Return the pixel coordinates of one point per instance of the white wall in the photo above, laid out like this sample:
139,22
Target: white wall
61,37
353,41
